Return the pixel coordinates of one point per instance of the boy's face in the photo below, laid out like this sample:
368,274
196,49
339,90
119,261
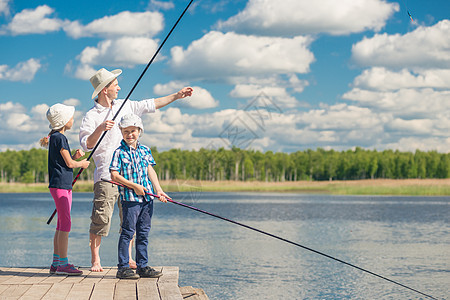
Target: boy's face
130,135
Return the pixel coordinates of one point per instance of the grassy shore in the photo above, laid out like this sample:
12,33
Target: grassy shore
411,187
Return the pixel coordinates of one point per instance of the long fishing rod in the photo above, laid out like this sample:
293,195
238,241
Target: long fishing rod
282,239
126,99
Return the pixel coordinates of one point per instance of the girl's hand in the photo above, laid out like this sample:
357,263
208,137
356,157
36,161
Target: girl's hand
85,163
139,189
79,153
163,196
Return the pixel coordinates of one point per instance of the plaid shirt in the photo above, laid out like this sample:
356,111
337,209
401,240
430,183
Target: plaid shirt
133,164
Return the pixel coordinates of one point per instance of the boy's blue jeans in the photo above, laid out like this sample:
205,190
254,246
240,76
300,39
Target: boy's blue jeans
136,217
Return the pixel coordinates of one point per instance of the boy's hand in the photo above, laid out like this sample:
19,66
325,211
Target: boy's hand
163,196
139,189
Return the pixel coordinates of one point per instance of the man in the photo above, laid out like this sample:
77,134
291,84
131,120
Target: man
97,120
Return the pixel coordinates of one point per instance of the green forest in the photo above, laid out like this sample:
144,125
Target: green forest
30,166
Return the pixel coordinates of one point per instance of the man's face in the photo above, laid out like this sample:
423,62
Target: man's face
113,90
131,134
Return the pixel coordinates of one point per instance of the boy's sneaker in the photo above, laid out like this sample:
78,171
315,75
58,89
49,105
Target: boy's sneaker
149,272
126,273
52,269
68,270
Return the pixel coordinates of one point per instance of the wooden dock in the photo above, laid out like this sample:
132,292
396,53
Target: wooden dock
37,283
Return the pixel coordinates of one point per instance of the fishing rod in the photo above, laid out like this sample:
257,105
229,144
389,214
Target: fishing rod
126,99
279,238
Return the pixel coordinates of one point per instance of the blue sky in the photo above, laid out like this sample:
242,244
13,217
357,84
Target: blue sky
268,75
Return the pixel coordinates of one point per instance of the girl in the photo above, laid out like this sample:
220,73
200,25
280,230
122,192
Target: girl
60,165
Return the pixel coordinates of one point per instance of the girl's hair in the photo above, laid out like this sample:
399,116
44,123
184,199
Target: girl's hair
44,141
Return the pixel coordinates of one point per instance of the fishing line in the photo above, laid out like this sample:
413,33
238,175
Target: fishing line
126,99
281,239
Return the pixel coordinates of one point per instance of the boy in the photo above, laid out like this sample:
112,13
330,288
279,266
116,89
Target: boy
132,166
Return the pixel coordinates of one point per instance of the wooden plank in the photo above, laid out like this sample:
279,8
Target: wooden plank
103,291
36,291
147,289
53,278
170,274
80,291
190,293
77,278
168,284
110,276
58,291
125,289
21,276
3,287
14,291
8,273
40,275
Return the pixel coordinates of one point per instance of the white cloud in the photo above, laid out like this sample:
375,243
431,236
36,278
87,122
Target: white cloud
34,21
297,17
380,78
279,94
220,55
404,102
23,71
425,47
121,52
201,98
4,7
122,24
72,101
164,5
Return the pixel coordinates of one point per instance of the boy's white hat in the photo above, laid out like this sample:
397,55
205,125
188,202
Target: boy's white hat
131,120
59,114
101,79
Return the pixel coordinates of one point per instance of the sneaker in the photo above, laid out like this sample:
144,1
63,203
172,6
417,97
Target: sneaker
126,273
149,272
52,269
68,270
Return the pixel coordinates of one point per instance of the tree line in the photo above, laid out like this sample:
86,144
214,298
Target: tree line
30,166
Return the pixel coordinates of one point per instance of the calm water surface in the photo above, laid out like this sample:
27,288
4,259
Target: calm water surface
406,239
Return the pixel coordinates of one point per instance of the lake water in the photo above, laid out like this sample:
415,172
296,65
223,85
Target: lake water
406,239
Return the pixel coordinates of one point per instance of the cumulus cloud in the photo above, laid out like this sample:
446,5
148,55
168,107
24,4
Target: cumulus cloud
404,102
4,7
163,5
297,17
220,55
29,125
35,21
121,52
23,71
72,101
425,47
278,94
123,24
383,79
201,99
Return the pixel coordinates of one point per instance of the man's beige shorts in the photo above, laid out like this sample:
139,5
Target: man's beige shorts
105,196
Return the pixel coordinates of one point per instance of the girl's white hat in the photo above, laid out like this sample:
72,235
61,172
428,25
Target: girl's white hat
59,115
131,120
101,79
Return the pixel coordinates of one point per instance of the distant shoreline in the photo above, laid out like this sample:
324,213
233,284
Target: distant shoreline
406,187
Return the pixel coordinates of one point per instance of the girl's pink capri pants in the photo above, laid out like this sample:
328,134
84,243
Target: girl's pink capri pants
63,202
